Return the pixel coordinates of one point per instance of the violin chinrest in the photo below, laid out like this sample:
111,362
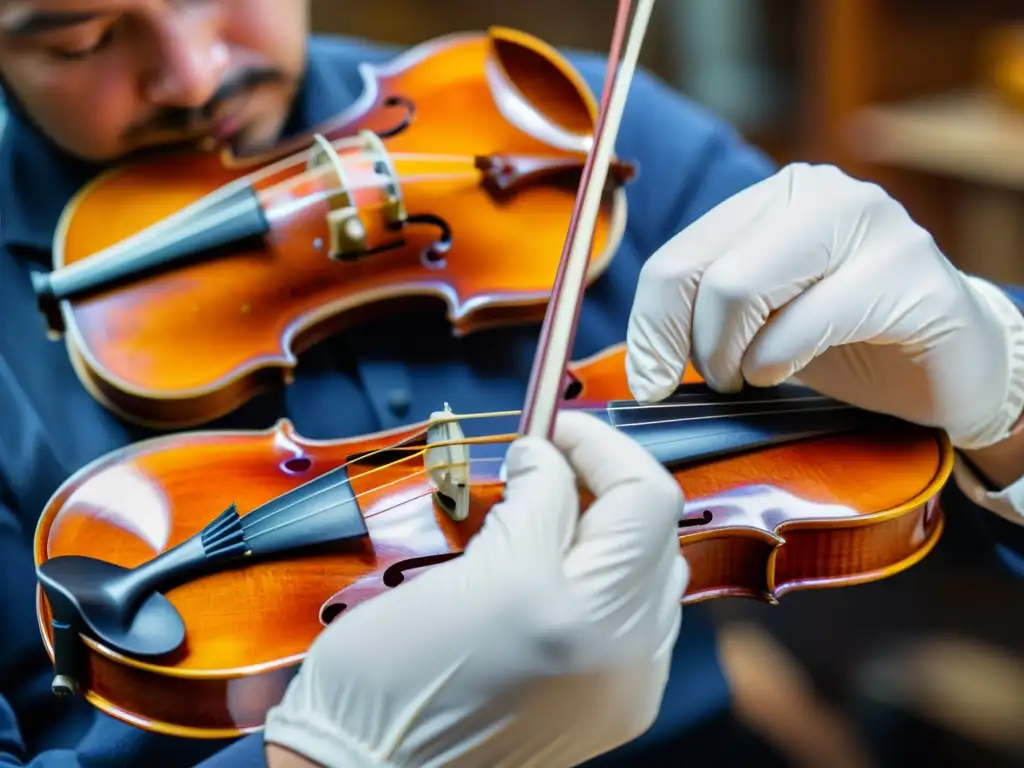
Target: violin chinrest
99,598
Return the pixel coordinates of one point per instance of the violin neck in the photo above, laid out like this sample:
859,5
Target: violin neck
697,424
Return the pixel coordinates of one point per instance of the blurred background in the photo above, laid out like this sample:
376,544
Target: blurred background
925,97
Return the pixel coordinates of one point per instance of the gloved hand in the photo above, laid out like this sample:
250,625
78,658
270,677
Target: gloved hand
866,309
546,643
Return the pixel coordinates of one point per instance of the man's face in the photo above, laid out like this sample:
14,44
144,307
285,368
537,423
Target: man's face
104,78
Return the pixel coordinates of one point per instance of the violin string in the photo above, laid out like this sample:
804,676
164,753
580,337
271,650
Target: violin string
509,437
627,406
342,483
156,232
379,182
404,443
363,156
354,498
347,146
342,145
324,195
416,451
359,155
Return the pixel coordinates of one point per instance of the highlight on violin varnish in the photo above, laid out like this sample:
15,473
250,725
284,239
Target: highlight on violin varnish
184,606
184,285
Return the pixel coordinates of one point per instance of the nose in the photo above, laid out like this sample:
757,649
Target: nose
193,62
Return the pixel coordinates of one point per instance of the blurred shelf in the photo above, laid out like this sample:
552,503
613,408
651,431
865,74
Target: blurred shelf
776,142
967,135
964,696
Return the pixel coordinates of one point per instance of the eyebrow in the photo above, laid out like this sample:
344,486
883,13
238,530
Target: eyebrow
40,22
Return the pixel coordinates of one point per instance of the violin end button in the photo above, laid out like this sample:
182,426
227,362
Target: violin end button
63,686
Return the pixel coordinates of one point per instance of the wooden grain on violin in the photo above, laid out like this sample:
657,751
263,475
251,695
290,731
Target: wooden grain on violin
184,285
783,494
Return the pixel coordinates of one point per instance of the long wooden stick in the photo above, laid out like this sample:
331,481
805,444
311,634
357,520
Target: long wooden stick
559,330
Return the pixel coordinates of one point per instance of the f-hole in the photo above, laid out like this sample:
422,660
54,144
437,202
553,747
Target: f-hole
691,522
331,612
433,255
395,575
573,388
410,110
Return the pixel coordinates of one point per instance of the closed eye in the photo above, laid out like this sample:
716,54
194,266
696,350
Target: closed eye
77,54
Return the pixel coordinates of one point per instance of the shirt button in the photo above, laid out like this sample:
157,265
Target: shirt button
398,402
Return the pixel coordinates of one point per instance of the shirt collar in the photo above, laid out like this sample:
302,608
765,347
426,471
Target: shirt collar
326,89
37,178
36,181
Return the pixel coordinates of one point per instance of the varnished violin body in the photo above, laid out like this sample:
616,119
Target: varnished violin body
197,634
185,284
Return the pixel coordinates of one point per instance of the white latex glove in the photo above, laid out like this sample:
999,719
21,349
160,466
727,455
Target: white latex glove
867,310
548,642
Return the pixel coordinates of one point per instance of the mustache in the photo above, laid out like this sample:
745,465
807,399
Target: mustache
183,120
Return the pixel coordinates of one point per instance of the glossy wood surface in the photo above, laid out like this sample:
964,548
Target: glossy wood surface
180,347
816,513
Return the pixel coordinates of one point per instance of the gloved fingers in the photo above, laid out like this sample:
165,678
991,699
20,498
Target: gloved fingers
739,292
847,307
630,531
676,581
605,458
658,332
527,537
626,577
541,505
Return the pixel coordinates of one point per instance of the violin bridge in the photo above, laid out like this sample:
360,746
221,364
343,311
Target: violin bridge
447,463
347,234
394,206
345,227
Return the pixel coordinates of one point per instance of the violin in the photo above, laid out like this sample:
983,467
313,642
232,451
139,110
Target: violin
184,578
185,284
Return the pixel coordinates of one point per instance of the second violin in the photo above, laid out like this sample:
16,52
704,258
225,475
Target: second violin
185,284
184,578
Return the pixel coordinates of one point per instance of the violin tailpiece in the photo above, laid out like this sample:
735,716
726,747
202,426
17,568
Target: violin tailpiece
232,215
124,609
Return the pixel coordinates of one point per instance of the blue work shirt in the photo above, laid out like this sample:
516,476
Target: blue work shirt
384,374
